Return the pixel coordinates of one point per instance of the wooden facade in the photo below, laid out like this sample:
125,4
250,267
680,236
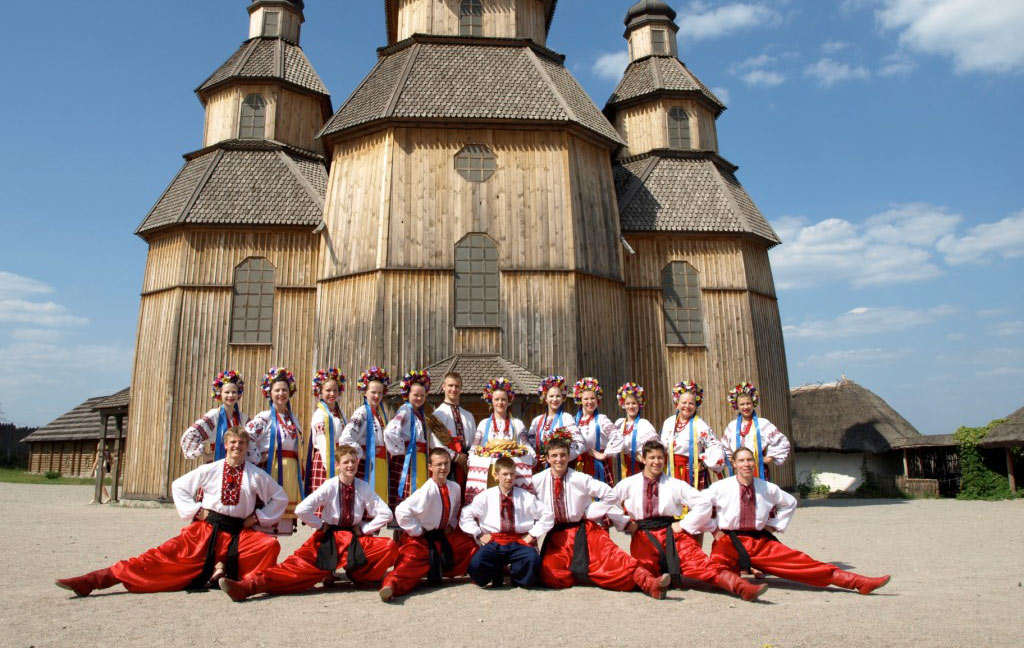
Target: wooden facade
69,458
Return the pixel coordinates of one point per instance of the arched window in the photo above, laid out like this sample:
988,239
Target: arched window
471,18
678,128
477,294
680,292
252,303
252,122
475,162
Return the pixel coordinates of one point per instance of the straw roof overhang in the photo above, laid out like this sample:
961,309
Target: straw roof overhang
476,370
81,423
116,403
391,17
846,417
928,441
1008,433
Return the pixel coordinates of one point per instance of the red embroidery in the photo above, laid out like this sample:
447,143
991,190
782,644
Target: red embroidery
651,497
231,484
508,513
446,507
558,495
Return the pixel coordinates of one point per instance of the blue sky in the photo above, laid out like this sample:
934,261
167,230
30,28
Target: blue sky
880,137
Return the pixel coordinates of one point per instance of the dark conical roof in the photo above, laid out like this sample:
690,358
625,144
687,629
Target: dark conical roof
268,58
298,4
649,8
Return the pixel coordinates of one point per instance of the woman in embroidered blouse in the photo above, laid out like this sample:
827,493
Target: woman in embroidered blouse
325,427
633,428
686,435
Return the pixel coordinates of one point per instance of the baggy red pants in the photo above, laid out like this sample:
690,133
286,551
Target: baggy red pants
413,561
174,564
299,572
773,557
693,562
610,566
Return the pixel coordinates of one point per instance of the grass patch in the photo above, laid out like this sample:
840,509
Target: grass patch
18,476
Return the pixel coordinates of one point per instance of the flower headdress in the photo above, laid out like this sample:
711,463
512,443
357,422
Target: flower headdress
687,386
630,389
586,384
324,376
224,377
742,388
498,384
275,374
548,383
372,374
415,377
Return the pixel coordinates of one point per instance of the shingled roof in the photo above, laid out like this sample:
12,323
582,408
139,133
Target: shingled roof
264,58
83,422
476,370
243,182
1008,433
681,191
845,417
436,78
115,401
660,75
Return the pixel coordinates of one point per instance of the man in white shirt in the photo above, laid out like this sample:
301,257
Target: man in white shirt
431,543
460,423
578,550
750,511
506,521
351,514
219,539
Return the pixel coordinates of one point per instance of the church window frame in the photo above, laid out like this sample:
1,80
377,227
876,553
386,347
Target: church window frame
252,302
476,300
471,18
476,162
252,117
681,305
679,128
659,41
272,24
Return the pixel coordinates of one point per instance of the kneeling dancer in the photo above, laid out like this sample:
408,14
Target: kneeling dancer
219,539
577,550
431,542
653,501
351,513
749,511
506,521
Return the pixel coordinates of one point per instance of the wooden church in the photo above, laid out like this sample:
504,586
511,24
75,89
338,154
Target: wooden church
468,207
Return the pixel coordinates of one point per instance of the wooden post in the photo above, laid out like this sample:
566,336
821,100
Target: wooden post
117,459
906,470
101,447
1009,470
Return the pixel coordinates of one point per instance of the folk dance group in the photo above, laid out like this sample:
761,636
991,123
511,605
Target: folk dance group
566,478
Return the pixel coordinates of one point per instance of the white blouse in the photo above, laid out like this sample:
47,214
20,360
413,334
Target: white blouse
710,451
355,432
611,441
774,443
562,420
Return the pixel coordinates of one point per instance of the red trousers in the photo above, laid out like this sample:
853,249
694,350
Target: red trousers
775,558
413,561
693,562
610,567
173,565
299,573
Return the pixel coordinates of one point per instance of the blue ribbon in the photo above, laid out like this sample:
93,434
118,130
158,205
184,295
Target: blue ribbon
599,472
222,426
739,444
632,446
487,429
273,454
693,458
409,467
371,443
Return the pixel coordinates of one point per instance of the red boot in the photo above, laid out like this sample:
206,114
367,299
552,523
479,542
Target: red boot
863,584
731,582
238,590
84,585
653,586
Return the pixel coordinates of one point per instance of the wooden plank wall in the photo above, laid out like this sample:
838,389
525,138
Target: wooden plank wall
293,118
501,18
644,126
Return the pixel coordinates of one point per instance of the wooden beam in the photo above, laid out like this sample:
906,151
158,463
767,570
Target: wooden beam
1009,470
906,470
117,458
101,447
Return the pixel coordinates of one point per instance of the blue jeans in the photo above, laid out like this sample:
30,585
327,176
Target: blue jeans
489,562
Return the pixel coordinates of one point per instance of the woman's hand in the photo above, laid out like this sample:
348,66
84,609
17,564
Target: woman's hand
599,456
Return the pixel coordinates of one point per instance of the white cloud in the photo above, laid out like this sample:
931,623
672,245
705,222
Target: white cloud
754,71
829,72
831,47
997,372
754,62
982,243
865,320
14,285
1010,328
897,64
20,311
872,356
991,312
36,335
979,35
767,78
913,223
611,65
721,93
701,22
956,337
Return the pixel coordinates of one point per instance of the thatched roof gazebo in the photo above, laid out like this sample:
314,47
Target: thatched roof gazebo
1006,435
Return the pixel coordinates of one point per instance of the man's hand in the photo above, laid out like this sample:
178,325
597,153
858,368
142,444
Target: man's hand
770,529
599,456
201,515
631,527
251,521
356,531
719,534
677,527
529,539
485,539
462,459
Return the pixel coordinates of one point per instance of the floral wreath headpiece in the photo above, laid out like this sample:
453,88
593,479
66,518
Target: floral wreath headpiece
415,377
630,389
324,376
548,383
275,374
224,377
587,383
687,386
498,384
742,388
372,374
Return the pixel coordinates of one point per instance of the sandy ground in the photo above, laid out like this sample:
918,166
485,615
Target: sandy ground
957,569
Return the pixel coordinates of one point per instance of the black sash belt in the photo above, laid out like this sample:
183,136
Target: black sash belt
668,557
221,524
741,551
442,558
327,552
579,566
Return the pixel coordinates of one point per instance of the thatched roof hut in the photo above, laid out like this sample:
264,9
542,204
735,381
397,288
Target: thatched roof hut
843,416
1008,433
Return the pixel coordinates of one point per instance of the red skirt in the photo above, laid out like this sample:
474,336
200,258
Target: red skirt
585,464
413,561
175,563
693,563
682,471
318,473
610,566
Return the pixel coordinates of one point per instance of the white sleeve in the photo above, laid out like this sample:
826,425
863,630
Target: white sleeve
578,446
727,440
784,503
611,433
469,430
349,435
396,438
713,456
183,491
408,513
604,499
378,508
259,438
469,519
192,439
544,516
700,517
667,430
318,428
777,445
275,500
306,509
478,436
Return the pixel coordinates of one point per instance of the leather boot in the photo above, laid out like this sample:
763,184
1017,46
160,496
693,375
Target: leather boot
863,584
238,590
84,585
731,582
653,586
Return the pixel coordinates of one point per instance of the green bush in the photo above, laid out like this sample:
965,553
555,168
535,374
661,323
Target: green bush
53,474
977,481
